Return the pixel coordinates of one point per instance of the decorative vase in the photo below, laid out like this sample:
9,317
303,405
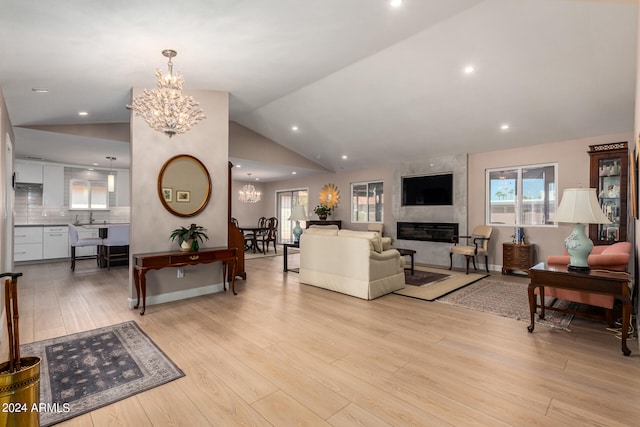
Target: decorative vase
185,246
322,217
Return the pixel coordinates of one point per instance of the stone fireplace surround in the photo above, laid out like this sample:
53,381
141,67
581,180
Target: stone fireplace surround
431,252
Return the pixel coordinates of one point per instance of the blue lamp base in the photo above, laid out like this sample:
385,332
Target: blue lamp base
579,247
297,231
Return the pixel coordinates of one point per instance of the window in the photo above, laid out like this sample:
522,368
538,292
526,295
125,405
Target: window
88,194
367,202
286,200
523,195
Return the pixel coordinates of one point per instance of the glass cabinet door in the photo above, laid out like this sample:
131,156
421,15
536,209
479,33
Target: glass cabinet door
609,165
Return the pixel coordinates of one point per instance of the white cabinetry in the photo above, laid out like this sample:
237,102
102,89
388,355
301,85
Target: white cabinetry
53,185
27,244
55,242
28,172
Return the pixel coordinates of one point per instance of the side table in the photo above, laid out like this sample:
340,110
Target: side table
517,257
286,246
409,253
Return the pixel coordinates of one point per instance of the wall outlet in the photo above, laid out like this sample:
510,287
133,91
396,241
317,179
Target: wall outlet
180,273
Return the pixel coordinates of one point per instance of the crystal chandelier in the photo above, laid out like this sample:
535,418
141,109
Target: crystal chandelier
165,109
249,194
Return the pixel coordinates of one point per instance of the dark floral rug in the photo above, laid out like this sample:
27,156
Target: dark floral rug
421,278
507,299
85,371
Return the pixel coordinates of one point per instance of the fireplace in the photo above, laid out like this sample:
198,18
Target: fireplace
427,231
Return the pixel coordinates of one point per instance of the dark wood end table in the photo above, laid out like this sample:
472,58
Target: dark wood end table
618,284
409,253
286,246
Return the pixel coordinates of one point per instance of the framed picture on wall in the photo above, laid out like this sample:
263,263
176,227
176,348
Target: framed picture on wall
167,193
183,196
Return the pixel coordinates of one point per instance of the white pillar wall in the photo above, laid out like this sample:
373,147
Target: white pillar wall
151,223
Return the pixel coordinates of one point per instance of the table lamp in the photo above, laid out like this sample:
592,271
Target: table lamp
298,214
579,206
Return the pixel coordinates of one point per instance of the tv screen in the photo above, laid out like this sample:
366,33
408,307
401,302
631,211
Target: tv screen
427,190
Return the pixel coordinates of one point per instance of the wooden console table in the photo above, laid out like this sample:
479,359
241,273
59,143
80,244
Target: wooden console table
595,281
157,260
516,257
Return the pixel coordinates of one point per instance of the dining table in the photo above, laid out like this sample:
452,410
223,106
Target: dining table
254,231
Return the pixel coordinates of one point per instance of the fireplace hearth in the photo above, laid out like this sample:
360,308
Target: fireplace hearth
427,231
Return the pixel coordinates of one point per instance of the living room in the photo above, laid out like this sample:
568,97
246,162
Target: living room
280,353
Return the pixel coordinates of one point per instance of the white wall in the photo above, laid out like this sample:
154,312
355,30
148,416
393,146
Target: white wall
573,171
151,223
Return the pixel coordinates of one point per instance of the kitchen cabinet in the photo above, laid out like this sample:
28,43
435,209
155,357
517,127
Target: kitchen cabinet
53,185
27,244
55,242
27,172
609,171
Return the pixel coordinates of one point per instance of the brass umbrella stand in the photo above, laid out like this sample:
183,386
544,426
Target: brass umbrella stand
20,376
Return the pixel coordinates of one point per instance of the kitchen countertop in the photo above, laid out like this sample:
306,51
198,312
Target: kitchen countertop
94,225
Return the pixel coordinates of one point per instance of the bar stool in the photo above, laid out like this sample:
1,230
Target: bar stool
76,242
117,237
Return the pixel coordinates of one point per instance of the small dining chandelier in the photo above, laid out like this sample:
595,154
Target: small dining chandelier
165,108
249,194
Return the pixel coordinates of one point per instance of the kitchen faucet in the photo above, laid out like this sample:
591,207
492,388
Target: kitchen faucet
90,217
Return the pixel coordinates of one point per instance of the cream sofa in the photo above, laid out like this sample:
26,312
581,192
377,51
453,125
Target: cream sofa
351,262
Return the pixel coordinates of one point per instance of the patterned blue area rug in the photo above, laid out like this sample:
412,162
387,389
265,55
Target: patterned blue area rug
85,371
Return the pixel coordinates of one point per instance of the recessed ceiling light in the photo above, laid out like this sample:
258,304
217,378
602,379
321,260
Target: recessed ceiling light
294,173
395,3
344,157
295,128
95,164
505,126
237,166
40,89
83,113
469,69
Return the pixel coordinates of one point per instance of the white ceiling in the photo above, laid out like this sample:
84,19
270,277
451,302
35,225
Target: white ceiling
358,77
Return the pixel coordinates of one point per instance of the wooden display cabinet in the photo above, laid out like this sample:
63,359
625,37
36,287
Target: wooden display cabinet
609,171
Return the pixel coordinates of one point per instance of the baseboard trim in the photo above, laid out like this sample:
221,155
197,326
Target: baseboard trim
179,295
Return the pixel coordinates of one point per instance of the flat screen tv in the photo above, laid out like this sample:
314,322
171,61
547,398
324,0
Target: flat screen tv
427,190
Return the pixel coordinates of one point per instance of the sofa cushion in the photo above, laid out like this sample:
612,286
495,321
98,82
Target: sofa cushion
386,243
375,241
325,230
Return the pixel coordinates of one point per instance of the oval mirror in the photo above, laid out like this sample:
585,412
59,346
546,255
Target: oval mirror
184,185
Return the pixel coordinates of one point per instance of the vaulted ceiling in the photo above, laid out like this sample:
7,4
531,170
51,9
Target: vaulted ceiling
358,78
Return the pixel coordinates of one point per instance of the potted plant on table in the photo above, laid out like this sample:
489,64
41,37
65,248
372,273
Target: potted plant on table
188,237
323,211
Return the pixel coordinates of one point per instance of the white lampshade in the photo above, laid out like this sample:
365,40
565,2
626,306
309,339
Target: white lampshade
580,206
298,213
111,183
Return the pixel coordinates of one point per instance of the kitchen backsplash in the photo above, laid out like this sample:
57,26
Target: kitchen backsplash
28,209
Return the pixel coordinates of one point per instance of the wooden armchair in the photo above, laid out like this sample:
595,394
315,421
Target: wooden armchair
477,244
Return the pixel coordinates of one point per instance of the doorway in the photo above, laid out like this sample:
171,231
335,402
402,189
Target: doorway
285,201
7,259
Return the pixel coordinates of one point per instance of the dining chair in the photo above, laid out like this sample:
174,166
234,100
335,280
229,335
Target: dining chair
270,235
76,242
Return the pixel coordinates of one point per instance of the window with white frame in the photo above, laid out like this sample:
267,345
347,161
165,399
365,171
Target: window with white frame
522,195
367,202
88,195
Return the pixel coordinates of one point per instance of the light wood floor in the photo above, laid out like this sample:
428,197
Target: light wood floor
282,354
